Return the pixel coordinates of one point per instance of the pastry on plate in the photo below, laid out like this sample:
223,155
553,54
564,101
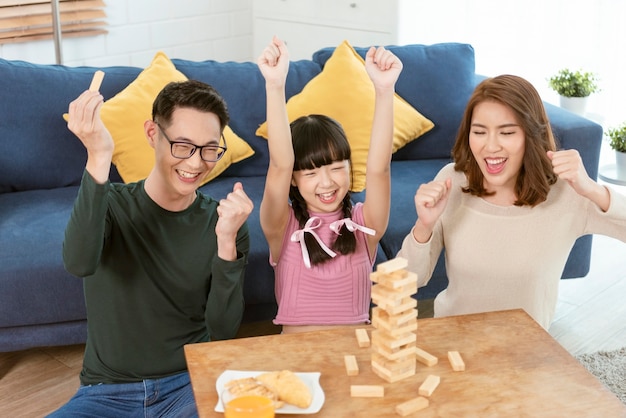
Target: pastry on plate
289,387
250,386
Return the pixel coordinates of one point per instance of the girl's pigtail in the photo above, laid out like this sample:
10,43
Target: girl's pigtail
346,241
316,254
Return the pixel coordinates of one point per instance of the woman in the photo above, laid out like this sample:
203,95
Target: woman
509,209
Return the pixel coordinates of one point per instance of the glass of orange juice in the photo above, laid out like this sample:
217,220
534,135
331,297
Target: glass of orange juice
247,406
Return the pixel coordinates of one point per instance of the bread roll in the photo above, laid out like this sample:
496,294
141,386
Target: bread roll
289,387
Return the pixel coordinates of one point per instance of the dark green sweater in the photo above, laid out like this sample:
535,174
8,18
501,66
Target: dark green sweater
153,280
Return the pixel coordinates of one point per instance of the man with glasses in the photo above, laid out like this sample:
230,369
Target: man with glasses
163,264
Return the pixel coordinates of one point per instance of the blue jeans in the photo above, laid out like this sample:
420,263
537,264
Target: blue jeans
167,397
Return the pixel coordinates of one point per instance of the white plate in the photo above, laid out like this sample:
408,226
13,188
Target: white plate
312,380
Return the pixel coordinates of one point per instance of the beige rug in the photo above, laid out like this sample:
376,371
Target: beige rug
610,368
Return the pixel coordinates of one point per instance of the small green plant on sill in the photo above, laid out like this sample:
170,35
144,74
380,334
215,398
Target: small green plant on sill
574,83
617,138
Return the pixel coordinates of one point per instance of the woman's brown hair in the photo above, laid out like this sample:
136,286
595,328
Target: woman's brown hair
536,175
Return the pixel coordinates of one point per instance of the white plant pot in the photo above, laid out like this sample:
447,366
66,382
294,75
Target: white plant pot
574,104
620,165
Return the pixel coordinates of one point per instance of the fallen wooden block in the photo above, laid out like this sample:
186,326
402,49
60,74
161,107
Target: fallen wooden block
411,406
456,361
425,358
430,384
367,391
352,368
362,338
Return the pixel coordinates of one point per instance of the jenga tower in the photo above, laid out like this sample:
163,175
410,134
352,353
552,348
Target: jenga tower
395,320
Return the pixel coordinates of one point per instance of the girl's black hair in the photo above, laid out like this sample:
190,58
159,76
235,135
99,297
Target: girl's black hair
317,141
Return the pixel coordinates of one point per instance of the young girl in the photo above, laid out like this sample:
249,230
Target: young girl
322,248
509,209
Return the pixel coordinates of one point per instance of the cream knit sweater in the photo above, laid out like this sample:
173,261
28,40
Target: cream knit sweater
508,257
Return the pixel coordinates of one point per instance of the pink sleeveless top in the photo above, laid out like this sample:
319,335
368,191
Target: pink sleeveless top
335,292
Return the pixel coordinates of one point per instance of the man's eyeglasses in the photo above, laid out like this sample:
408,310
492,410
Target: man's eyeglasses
183,150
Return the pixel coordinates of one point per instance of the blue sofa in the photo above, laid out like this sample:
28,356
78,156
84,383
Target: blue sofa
41,164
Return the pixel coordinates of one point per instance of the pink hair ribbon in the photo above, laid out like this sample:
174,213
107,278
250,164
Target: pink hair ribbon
298,236
351,226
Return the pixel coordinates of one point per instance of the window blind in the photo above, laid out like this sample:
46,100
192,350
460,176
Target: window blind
29,20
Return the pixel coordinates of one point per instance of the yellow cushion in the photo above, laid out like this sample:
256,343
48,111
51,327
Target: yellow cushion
125,114
344,92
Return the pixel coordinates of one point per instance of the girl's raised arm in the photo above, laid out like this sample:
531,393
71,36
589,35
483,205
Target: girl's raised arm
383,68
274,212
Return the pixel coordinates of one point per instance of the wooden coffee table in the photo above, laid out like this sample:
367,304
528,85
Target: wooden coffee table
514,368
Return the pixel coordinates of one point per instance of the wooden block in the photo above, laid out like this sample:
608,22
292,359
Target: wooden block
397,279
394,307
404,329
388,278
376,276
384,303
405,305
384,320
397,274
393,278
352,368
430,384
408,279
96,81
456,361
392,377
395,353
411,406
392,265
367,391
396,331
394,294
382,338
425,358
362,338
394,366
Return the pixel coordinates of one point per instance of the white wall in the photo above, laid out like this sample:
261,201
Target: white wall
530,38
534,39
191,29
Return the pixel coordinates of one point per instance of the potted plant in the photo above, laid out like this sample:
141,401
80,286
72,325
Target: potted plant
573,88
617,141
